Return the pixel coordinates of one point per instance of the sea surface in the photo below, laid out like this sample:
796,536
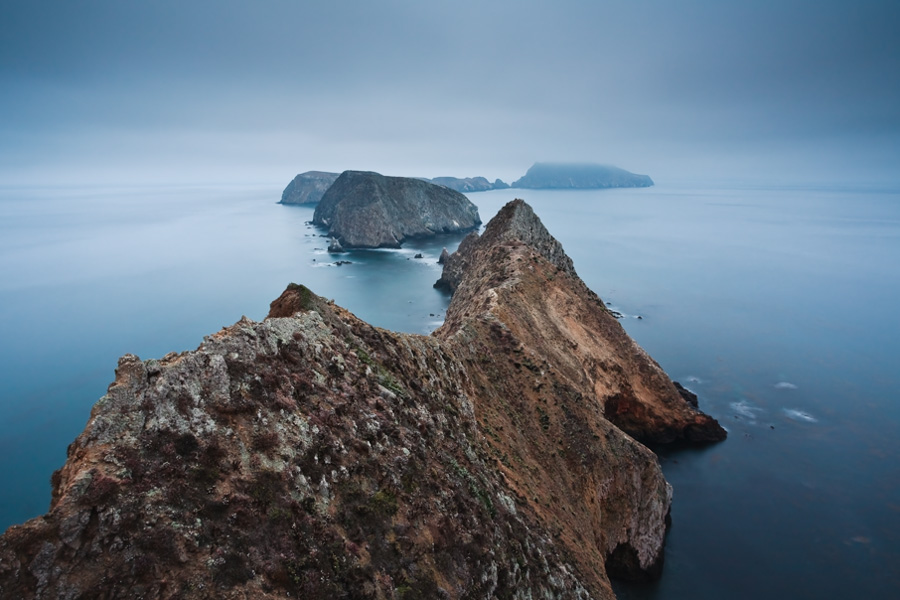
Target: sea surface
779,306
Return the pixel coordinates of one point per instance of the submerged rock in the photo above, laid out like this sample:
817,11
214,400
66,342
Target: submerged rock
308,188
313,455
369,210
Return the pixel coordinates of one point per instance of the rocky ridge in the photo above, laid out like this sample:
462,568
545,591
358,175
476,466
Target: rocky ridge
368,210
308,187
313,455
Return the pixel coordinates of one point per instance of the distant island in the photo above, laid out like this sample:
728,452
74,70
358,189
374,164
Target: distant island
363,209
562,176
469,184
308,188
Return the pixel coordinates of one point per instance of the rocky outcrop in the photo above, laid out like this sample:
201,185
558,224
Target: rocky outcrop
469,184
369,210
308,188
560,176
335,247
524,272
312,455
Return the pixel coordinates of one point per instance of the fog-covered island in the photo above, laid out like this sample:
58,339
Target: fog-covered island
581,176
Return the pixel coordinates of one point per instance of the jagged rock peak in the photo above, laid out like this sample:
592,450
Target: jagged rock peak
515,221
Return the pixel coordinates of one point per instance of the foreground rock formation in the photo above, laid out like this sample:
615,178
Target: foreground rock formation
559,176
312,455
308,188
368,210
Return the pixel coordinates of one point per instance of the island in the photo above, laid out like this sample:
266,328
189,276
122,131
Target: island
469,184
308,188
312,455
363,209
563,176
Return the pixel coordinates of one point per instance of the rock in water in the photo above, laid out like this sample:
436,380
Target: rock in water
559,176
312,455
368,210
335,247
443,257
308,188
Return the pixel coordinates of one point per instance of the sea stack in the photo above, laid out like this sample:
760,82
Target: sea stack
313,455
368,210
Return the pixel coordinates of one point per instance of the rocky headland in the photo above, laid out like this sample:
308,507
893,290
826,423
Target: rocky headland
312,455
368,210
562,176
308,188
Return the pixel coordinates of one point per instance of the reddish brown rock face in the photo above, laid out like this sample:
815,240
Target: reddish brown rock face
312,455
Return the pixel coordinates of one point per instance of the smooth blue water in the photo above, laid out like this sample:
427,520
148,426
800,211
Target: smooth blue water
776,305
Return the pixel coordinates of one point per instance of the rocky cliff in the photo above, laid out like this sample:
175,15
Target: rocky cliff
368,210
559,176
308,188
312,455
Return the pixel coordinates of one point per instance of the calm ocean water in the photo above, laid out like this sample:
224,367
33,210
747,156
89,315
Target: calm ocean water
778,306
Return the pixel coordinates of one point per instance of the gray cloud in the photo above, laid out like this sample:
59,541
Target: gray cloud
262,90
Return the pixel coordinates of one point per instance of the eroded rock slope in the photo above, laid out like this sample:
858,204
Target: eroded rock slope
313,455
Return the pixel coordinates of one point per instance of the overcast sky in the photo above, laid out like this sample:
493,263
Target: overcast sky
172,91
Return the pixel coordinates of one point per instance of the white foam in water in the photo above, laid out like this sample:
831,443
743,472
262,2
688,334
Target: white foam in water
785,385
694,379
799,415
745,409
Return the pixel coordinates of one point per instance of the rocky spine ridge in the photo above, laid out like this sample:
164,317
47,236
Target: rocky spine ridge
313,455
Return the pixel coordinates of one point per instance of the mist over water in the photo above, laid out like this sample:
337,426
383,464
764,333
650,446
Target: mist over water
777,306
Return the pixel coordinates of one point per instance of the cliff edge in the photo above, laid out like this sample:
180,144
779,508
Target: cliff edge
368,210
313,455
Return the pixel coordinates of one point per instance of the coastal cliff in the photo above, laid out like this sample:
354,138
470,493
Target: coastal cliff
313,455
561,176
368,210
308,188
